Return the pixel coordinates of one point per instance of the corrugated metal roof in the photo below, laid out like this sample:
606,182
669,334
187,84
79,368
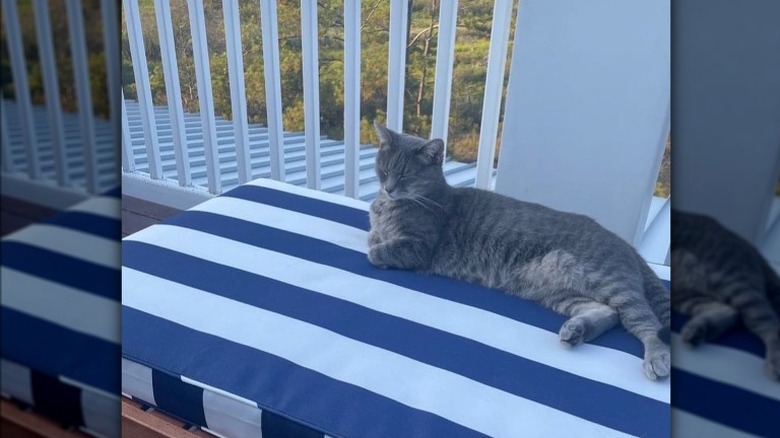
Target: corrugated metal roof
107,150
332,155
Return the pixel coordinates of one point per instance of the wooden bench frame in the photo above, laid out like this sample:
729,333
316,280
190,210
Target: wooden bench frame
17,422
138,422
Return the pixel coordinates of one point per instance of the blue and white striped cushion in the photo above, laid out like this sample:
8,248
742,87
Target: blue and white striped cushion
720,388
260,304
60,312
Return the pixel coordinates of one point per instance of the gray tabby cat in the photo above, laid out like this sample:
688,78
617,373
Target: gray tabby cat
720,279
566,262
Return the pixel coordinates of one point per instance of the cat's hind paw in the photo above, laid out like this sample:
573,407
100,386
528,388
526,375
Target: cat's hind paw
694,333
657,365
772,366
572,333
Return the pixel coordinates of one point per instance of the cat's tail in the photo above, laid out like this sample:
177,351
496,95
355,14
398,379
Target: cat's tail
658,298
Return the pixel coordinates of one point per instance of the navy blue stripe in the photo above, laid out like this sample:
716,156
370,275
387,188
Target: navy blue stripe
179,398
55,350
725,404
739,337
302,204
88,223
356,262
275,384
276,426
528,379
60,268
56,400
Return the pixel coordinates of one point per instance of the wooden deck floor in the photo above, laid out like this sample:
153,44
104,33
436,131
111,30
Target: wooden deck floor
16,214
138,214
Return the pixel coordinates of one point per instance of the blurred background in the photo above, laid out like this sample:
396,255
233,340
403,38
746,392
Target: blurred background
726,123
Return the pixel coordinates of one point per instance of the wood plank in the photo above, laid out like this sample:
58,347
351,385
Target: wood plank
25,209
142,424
133,222
20,423
147,208
10,222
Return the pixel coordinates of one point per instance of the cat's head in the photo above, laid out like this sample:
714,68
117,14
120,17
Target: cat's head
408,166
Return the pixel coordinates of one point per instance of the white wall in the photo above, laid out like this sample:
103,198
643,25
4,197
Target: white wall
587,111
726,82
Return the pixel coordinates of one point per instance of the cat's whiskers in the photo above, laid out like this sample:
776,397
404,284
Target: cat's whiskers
423,201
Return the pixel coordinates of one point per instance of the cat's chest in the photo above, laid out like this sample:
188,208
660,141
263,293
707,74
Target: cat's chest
388,218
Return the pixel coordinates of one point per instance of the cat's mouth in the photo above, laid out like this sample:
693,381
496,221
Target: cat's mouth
391,196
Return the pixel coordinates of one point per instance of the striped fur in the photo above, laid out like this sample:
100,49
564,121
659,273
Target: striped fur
720,280
566,262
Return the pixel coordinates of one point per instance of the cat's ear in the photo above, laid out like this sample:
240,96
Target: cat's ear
432,151
384,134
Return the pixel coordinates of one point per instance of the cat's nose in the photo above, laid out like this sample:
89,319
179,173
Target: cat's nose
389,188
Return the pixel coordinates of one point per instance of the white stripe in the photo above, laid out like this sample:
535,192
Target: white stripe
686,425
606,365
101,414
726,365
72,243
485,409
15,380
229,417
314,194
323,229
88,388
219,391
137,381
102,206
71,308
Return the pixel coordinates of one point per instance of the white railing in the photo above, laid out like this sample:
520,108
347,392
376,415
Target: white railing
352,21
655,247
56,149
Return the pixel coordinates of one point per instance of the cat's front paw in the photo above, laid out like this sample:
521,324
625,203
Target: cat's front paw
658,364
375,259
373,238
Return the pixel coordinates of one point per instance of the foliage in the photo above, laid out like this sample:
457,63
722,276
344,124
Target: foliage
471,53
61,39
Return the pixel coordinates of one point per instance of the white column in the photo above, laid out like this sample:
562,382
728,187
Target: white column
173,91
311,91
19,71
396,64
351,97
273,86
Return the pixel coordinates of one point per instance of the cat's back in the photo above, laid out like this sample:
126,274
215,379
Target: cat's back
490,210
717,248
